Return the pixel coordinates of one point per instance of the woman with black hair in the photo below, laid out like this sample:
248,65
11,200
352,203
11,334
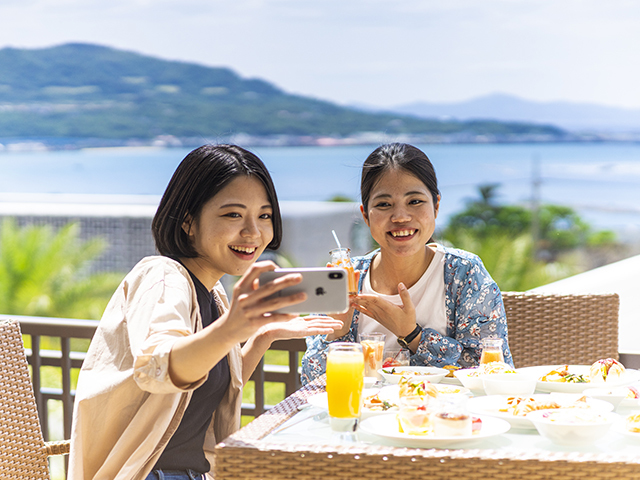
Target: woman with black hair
162,380
436,302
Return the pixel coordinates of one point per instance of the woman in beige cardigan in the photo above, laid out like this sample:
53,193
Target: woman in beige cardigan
161,383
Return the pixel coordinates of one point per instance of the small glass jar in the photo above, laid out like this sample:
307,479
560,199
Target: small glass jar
491,350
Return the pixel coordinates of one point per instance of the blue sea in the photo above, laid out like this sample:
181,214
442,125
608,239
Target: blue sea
600,180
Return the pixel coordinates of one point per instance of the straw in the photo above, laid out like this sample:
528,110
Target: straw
336,237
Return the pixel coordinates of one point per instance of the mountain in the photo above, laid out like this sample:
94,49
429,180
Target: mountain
506,108
92,91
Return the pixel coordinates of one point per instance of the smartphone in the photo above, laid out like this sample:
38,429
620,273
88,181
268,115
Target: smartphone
326,289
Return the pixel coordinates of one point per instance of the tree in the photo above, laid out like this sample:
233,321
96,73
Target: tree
46,273
561,228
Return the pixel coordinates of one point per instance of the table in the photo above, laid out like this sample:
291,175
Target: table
306,451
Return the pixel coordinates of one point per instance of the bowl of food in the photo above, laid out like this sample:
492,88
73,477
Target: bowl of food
572,426
431,374
515,384
472,378
614,396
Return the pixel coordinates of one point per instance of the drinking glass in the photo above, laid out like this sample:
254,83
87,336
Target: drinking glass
491,350
451,418
396,357
415,415
372,348
345,381
341,257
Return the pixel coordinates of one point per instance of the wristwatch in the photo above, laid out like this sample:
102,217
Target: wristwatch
405,341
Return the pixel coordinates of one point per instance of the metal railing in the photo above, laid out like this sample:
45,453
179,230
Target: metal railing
66,359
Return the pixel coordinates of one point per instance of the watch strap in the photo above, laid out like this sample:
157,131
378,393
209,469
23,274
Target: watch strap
405,341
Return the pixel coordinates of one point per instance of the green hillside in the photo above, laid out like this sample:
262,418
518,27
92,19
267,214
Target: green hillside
90,91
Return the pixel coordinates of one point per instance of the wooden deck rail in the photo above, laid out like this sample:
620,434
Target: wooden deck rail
65,359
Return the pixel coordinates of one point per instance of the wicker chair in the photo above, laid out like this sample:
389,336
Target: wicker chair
23,452
549,329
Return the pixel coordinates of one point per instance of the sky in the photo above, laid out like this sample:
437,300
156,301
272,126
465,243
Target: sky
374,52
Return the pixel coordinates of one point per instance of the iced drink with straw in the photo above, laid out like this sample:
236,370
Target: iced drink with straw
340,257
345,381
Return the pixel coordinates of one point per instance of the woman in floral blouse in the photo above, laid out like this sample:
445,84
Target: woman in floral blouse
435,301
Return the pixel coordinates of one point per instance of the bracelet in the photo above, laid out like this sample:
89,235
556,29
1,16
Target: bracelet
405,341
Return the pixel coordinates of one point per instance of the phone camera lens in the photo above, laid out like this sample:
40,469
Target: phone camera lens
335,275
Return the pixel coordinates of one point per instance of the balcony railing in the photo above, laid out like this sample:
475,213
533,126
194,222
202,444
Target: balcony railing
65,359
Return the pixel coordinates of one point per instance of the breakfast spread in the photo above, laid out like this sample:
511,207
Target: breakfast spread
601,370
491,368
632,423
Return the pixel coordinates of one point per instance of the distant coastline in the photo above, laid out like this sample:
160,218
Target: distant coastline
14,145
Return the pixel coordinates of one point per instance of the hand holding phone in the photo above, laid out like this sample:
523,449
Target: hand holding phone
326,289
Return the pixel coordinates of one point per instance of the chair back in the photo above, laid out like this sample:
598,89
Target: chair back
547,329
23,452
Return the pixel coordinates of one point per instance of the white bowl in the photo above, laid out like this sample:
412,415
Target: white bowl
515,384
572,426
473,383
431,374
614,396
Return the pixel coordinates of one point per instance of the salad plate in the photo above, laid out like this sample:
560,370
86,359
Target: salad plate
628,376
321,401
390,392
431,374
386,426
493,404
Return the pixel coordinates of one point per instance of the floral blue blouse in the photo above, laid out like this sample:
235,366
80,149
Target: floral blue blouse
474,309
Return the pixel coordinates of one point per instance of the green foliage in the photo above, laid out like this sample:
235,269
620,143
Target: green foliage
560,228
510,260
80,90
44,273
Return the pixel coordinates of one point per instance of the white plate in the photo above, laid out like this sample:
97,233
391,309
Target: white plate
390,392
619,427
386,426
491,405
320,401
431,374
628,376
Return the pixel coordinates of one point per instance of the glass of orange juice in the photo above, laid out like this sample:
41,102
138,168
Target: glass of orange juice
373,350
341,257
345,381
491,350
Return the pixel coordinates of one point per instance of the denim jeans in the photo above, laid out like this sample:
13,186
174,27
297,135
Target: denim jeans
174,475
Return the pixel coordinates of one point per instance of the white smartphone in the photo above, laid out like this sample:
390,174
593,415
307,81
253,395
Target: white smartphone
326,289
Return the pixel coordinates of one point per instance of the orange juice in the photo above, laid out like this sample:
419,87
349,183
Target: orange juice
345,381
340,258
491,356
491,350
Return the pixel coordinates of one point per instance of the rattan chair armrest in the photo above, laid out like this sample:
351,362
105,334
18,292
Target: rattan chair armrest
58,448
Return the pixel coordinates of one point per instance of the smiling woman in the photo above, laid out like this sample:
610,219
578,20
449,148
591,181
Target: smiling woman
436,302
163,375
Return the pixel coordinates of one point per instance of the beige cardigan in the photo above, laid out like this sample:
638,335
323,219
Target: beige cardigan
126,405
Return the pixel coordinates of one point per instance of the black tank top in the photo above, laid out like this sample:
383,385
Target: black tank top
185,449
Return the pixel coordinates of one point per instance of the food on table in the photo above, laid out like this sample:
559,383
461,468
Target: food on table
412,373
414,417
451,368
574,416
632,392
476,425
632,422
375,404
449,424
561,374
605,368
391,362
520,406
491,368
372,351
411,386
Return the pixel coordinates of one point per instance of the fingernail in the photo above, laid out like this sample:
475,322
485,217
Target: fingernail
401,286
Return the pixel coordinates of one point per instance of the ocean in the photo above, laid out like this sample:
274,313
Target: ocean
600,180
